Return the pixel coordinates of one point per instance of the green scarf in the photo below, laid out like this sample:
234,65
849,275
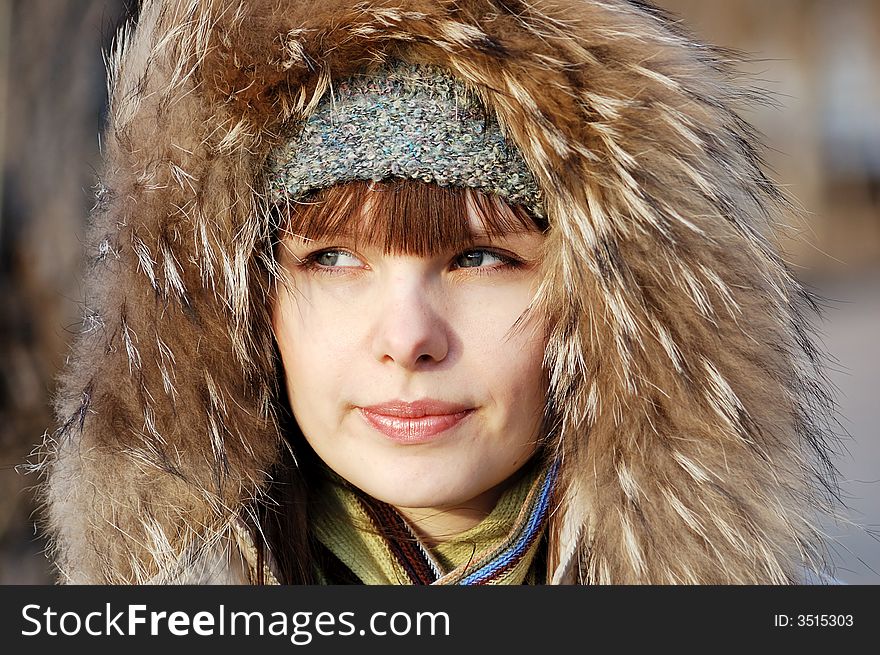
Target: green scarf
504,548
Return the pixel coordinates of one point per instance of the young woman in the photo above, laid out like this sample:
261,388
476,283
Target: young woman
416,293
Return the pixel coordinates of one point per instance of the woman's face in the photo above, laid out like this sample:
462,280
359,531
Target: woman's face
403,372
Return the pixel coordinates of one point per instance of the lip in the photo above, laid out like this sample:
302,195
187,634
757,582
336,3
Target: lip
420,421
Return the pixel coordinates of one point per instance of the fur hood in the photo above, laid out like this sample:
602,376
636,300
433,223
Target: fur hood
692,420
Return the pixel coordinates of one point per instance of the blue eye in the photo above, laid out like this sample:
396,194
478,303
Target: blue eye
336,258
477,258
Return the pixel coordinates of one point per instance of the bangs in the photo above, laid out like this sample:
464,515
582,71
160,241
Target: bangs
405,217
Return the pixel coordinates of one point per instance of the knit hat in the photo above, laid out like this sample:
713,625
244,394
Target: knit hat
406,121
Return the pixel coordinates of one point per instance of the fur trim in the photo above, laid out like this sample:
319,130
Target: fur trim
686,392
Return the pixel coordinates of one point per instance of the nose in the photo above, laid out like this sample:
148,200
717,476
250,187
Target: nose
409,329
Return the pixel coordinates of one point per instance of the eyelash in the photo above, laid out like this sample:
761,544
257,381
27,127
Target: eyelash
508,262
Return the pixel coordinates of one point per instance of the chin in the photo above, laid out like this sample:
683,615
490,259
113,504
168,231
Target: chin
425,494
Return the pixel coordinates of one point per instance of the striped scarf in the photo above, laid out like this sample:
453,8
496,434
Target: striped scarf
366,541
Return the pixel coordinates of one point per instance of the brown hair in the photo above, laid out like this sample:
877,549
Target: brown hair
406,217
442,215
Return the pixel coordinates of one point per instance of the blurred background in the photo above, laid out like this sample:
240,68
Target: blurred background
819,58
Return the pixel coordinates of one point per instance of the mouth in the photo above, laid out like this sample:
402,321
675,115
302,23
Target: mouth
412,423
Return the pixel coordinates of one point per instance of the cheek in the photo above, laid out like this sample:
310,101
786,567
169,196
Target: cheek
311,322
528,380
528,392
313,341
509,365
511,352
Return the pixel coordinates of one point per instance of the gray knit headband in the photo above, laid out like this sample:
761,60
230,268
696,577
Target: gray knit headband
405,121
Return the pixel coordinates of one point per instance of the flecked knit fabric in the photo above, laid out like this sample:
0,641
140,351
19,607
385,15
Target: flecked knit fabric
403,121
501,549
